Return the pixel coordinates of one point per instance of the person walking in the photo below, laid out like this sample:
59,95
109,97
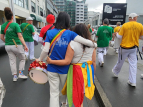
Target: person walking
117,40
57,74
89,28
50,20
104,35
28,33
11,35
130,34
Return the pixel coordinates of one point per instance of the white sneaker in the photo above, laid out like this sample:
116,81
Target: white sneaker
63,105
132,84
33,58
15,78
142,76
22,76
116,52
115,75
101,64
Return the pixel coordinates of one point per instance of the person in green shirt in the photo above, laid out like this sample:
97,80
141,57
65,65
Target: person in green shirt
104,35
28,33
13,44
89,27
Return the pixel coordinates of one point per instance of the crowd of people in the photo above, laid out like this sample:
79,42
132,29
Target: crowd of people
72,63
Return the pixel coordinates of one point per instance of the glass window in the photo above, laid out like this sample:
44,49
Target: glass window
41,11
33,7
26,4
19,2
38,10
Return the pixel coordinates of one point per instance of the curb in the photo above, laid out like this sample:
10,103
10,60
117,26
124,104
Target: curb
101,95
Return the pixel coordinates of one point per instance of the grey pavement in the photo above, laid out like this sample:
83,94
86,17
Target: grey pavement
25,93
119,93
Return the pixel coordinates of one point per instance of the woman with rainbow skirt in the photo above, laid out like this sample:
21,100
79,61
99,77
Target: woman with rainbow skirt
81,71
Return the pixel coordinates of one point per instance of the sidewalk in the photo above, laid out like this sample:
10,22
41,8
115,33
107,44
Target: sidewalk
119,93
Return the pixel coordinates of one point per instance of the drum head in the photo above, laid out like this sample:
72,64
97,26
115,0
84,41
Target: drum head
38,76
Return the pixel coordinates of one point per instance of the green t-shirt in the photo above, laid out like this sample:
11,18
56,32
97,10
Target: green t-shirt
104,34
112,30
27,34
11,33
90,30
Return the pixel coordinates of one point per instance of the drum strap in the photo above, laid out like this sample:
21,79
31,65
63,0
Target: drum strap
25,27
55,40
7,27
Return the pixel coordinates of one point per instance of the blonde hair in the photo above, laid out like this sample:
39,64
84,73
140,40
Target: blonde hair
89,26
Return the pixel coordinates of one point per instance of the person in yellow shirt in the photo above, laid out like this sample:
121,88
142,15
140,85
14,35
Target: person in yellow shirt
130,34
117,41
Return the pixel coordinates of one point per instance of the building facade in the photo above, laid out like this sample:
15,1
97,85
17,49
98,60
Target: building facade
70,7
80,12
51,8
24,9
85,12
60,4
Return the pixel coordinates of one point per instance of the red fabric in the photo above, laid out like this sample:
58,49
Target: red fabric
7,27
78,86
92,29
44,30
50,18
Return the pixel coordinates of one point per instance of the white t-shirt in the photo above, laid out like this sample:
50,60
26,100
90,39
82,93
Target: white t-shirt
78,51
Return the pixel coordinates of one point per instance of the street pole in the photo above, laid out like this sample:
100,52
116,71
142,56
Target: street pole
11,5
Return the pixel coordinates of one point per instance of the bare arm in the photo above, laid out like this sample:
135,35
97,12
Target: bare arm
66,61
45,51
33,33
22,40
2,37
94,60
141,37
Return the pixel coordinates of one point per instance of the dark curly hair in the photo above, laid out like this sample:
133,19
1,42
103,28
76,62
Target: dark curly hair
8,13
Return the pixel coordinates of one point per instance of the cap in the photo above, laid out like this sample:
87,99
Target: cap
29,18
132,15
50,18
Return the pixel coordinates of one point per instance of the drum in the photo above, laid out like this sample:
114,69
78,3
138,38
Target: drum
38,73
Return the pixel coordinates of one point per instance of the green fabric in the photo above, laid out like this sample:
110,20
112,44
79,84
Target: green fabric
27,34
11,33
69,85
104,34
112,30
90,30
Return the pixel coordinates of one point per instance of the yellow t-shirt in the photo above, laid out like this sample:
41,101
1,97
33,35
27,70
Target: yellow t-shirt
117,29
130,32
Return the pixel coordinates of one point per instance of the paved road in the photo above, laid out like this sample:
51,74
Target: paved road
120,94
25,93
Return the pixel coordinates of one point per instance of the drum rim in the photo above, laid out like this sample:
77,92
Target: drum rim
35,81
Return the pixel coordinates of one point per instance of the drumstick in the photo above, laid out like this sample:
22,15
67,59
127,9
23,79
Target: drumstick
14,42
40,63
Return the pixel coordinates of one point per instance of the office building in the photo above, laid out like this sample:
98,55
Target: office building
70,7
60,4
51,8
85,12
80,11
